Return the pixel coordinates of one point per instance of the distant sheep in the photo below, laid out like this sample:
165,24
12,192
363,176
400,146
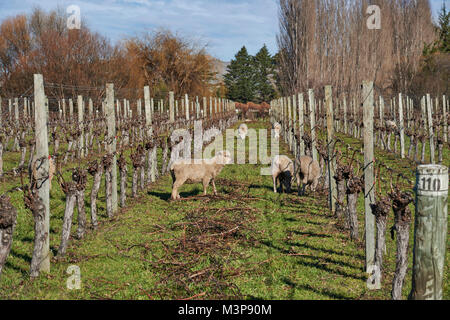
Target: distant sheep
243,131
277,129
391,125
205,171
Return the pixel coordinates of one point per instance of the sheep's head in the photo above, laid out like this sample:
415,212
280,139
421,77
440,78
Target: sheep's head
223,157
243,131
286,179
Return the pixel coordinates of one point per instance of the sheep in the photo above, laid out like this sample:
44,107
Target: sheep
308,173
391,125
243,131
283,171
277,129
191,171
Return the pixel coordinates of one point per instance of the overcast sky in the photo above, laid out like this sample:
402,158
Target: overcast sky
223,25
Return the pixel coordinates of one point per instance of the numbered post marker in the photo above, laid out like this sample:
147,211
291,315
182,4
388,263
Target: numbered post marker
430,236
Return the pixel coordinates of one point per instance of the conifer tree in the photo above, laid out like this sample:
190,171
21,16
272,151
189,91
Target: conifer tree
264,72
240,77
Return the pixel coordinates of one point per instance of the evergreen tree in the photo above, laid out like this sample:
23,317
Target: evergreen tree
444,30
240,79
264,73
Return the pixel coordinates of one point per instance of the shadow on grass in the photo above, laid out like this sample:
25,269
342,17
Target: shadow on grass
167,196
329,251
323,292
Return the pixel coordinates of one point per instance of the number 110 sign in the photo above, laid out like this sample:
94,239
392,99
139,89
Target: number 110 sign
432,180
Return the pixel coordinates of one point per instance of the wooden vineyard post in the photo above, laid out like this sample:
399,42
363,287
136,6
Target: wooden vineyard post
1,111
149,108
289,123
172,107
312,118
43,171
330,149
112,141
81,125
445,111
205,108
369,164
430,127
382,121
294,124
301,123
70,110
186,104
402,126
430,234
345,116
210,107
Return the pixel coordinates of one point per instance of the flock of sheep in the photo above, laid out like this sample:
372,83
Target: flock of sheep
303,170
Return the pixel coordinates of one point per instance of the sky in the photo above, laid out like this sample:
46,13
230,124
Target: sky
223,26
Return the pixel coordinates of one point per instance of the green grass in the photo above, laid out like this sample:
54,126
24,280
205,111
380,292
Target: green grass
286,247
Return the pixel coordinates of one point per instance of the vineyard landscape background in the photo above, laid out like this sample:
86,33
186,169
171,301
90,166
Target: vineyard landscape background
87,139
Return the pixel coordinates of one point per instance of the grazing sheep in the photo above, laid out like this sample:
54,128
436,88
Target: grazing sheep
391,125
188,171
277,129
283,171
307,173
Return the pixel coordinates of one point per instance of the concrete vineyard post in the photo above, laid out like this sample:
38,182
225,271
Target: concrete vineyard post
430,235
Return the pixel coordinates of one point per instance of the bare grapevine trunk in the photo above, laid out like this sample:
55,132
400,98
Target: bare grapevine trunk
123,171
354,187
37,208
70,190
340,201
107,164
8,219
1,158
96,170
401,200
79,177
165,157
381,211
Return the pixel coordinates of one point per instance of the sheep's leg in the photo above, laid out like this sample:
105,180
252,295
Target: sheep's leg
206,182
176,186
314,185
214,187
274,183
